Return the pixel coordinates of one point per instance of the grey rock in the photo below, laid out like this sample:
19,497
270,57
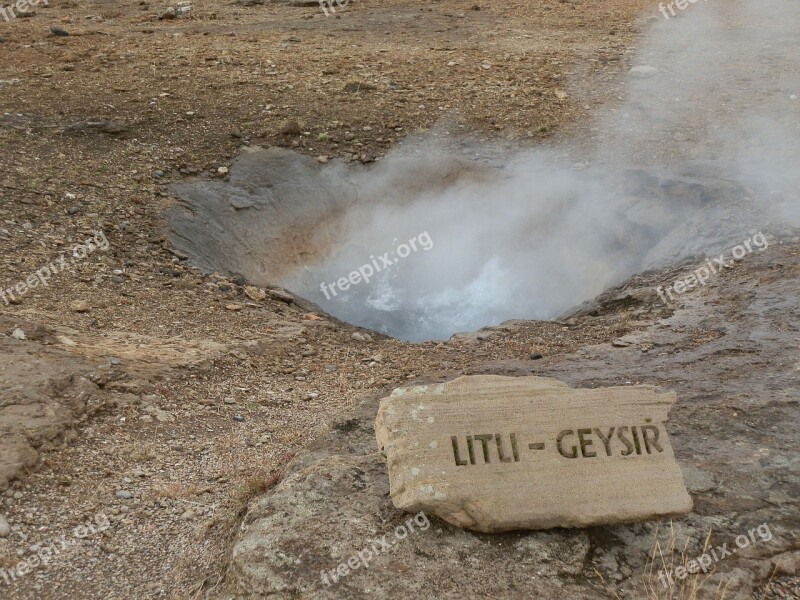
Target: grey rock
241,203
280,295
697,480
163,416
554,552
113,128
736,582
5,528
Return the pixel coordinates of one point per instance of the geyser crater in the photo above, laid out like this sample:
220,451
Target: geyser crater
477,245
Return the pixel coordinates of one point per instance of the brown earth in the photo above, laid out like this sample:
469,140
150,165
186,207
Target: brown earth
176,386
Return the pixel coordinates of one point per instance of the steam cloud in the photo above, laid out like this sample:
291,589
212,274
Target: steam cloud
703,150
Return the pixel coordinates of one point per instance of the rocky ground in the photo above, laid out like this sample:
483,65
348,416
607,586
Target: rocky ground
136,387
724,351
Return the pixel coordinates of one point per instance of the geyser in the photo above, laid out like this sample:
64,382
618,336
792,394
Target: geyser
536,237
421,249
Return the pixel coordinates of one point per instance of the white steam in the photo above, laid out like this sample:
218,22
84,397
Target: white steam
703,149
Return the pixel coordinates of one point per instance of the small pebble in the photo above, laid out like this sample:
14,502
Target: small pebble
80,306
5,528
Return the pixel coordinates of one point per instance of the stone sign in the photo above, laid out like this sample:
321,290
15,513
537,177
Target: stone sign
494,453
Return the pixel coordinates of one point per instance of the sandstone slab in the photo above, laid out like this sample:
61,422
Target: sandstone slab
493,453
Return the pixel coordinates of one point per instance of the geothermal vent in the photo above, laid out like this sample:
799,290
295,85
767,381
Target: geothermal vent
421,248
